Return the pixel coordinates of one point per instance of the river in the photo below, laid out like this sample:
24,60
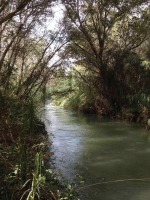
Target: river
100,151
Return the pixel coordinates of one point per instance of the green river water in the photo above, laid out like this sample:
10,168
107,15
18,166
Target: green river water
100,151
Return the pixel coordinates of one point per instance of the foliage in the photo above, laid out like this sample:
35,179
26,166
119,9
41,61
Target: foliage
105,40
24,154
26,55
107,43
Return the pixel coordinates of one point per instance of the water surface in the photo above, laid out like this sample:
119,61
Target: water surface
100,150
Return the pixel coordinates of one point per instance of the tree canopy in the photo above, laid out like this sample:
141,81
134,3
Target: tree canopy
105,38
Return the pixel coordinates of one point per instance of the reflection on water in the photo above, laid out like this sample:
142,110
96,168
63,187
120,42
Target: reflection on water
100,150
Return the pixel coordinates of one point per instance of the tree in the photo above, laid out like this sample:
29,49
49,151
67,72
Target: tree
26,54
102,36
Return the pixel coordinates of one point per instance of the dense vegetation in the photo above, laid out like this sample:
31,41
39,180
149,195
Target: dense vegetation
109,50
97,60
27,48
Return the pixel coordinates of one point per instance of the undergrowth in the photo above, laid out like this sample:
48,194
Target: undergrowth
24,173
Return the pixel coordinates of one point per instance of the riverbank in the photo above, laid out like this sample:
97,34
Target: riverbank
90,105
24,155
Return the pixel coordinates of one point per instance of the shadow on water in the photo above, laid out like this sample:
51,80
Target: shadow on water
100,150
